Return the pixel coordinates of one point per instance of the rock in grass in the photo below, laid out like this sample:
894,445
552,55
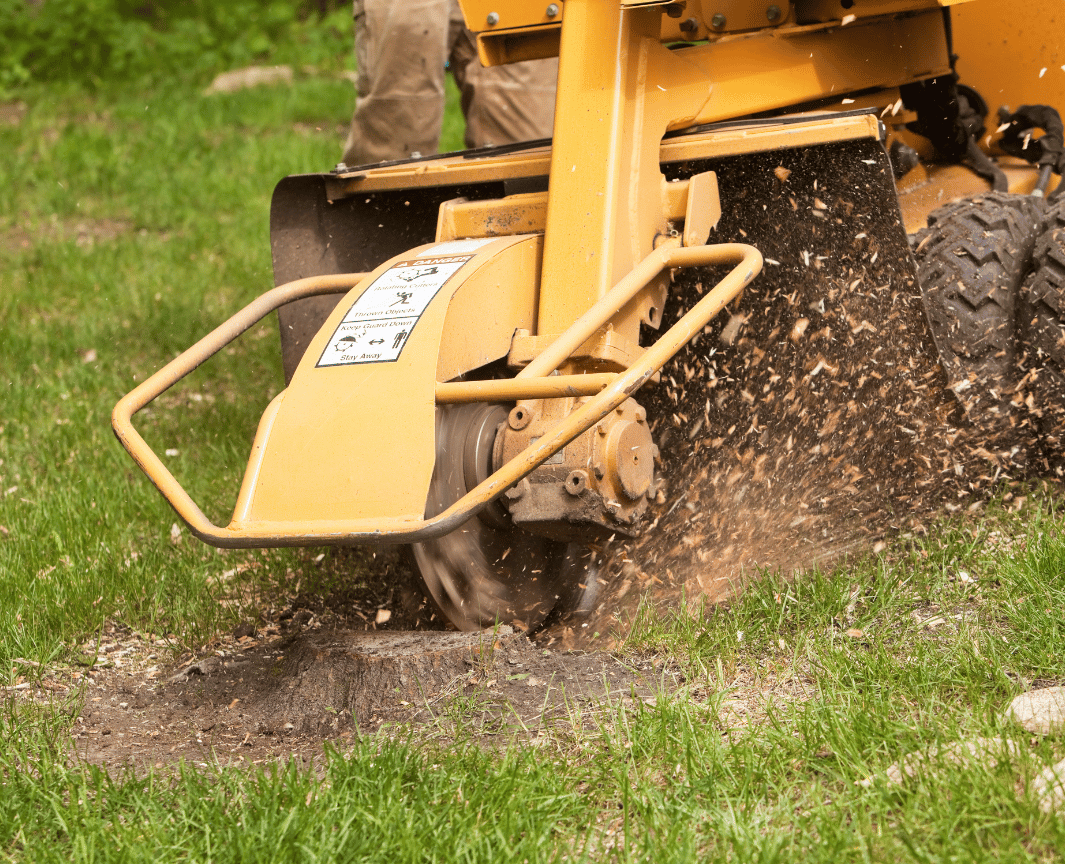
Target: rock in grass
1041,712
251,76
986,751
1049,788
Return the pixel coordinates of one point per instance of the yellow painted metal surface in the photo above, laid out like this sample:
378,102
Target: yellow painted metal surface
792,66
694,202
513,46
297,528
483,315
357,441
516,389
491,15
498,217
620,90
833,10
535,162
606,350
1012,51
736,14
497,20
702,208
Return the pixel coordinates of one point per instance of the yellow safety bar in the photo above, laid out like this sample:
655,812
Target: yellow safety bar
534,381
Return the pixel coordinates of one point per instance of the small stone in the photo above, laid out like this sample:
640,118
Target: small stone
204,667
1049,788
250,76
988,751
1041,712
244,628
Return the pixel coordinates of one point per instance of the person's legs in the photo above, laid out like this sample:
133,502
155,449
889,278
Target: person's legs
400,49
502,104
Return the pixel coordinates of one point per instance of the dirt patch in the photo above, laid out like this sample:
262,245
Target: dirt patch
12,113
82,232
280,691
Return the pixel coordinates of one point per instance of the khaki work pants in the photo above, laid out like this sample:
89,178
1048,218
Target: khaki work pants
401,49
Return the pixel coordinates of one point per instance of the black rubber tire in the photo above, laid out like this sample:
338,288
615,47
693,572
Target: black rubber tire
1041,327
971,261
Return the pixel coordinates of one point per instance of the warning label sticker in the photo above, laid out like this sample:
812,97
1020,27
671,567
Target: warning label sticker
378,324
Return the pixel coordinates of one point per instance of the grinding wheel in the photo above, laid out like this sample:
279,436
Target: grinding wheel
487,571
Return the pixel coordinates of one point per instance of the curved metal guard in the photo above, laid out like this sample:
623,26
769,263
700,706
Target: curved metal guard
612,391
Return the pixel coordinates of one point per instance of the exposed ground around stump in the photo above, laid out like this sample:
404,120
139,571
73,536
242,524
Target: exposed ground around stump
281,691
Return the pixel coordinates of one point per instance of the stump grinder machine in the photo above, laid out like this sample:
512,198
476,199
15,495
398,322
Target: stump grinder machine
776,272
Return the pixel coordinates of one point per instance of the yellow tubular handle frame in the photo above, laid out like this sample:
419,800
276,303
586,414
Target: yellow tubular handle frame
532,382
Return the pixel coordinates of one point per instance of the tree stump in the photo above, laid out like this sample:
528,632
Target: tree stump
329,679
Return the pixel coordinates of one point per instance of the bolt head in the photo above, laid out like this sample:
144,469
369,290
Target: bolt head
576,483
519,417
552,10
493,19
718,21
773,13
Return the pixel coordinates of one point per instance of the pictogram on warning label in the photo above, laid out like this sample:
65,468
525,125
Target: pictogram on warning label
378,324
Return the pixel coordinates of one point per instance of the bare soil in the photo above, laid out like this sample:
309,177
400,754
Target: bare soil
283,689
82,232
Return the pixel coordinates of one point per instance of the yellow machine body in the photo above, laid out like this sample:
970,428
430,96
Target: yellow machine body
551,264
1010,51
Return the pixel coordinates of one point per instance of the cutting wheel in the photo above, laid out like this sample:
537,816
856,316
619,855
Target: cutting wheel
488,570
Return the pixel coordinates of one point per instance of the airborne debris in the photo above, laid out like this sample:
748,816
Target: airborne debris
815,441
732,329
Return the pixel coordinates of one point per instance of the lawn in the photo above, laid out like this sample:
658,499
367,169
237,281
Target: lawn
133,220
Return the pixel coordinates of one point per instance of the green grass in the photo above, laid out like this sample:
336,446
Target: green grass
132,223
